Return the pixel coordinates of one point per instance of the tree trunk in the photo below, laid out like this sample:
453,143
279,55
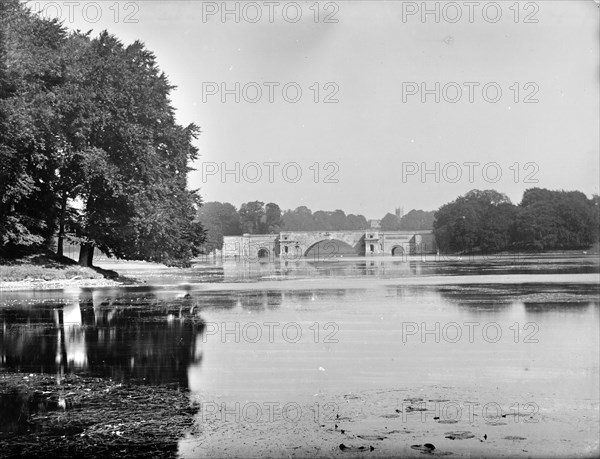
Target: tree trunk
86,254
61,227
63,347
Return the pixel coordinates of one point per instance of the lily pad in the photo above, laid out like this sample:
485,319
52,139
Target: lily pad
459,435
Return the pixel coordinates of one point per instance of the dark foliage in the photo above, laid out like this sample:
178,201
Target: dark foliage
89,146
486,221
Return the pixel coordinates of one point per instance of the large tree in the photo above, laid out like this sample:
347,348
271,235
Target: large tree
417,220
549,219
357,222
30,74
299,219
322,220
90,145
136,201
272,218
486,221
478,221
219,219
253,217
390,222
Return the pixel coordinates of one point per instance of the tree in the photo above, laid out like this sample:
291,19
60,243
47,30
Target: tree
299,219
219,219
302,219
252,217
322,221
273,218
338,220
417,220
479,221
486,221
496,228
390,222
357,222
548,220
135,199
30,72
91,145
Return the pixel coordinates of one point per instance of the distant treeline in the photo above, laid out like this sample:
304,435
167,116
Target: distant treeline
223,219
480,221
486,221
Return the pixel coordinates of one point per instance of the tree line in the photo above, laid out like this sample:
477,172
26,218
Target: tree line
478,222
487,221
415,220
89,146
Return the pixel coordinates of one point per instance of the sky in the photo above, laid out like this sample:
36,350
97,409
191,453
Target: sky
367,106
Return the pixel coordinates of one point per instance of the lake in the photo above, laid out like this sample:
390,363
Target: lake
277,354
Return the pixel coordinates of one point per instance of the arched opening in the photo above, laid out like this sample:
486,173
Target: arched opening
397,251
263,253
372,248
330,248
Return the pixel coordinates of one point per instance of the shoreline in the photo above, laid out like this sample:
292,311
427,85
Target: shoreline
49,273
301,284
57,284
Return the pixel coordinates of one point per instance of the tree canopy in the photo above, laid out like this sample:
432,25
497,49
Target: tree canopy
486,221
480,221
548,219
415,220
302,219
219,219
89,145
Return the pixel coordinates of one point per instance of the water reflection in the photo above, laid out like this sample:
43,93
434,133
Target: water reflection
354,336
410,266
389,336
238,271
219,343
102,333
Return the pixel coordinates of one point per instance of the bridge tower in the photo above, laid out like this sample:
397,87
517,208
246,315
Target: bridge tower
372,243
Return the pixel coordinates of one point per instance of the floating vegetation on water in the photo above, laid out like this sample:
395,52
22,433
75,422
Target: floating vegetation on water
91,417
459,435
531,294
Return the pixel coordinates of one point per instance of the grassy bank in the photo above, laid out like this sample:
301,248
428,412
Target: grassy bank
46,270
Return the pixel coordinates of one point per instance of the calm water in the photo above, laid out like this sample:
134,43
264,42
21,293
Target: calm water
280,332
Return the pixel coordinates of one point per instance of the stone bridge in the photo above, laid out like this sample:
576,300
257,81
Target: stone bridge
295,245
321,244
251,247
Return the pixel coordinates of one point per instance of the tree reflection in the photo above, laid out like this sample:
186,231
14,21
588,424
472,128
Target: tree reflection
122,338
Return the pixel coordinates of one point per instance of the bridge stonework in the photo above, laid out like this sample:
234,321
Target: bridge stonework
297,244
294,245
251,247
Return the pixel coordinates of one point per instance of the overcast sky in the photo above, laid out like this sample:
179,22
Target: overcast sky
375,59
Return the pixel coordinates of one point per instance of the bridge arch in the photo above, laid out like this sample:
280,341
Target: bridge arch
398,251
329,248
263,252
